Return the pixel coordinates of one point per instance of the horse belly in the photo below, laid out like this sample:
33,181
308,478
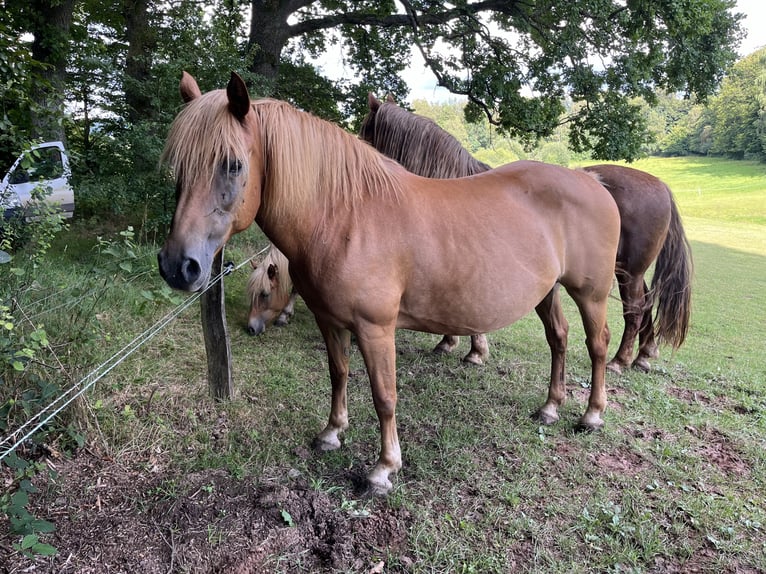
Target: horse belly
479,296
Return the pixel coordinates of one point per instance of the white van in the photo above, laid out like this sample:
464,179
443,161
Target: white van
45,164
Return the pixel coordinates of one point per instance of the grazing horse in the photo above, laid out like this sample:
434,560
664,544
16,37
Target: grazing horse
373,247
650,227
270,291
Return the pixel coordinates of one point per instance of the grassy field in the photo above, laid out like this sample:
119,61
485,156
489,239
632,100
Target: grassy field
675,482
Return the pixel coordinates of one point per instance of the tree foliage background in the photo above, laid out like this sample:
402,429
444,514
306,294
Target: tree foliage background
606,79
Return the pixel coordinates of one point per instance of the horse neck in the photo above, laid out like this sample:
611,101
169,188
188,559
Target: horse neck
423,147
312,172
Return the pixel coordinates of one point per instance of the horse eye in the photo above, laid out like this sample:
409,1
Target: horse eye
234,167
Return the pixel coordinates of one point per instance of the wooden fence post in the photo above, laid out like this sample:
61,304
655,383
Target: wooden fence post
217,345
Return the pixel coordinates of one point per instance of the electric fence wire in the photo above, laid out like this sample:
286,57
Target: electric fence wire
51,410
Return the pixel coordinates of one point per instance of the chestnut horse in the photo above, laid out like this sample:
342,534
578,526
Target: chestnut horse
373,247
270,291
650,228
271,294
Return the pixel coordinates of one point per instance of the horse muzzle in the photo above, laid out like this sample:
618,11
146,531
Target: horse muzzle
181,272
256,327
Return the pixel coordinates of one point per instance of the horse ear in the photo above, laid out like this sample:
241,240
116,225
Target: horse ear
273,271
373,102
253,264
390,99
239,99
188,88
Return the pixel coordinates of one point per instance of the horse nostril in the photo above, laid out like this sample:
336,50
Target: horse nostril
190,270
250,331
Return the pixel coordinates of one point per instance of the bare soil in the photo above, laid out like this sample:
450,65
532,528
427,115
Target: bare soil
134,520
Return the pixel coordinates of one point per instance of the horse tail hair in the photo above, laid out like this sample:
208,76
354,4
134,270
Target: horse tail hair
671,284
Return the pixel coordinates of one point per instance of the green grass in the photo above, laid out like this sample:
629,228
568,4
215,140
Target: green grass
675,481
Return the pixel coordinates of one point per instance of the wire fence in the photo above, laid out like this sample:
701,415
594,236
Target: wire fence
17,437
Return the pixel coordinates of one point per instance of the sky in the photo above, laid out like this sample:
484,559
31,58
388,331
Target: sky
423,83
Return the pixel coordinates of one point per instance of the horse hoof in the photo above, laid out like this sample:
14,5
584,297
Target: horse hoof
442,350
473,359
641,364
546,417
614,367
327,441
378,484
589,424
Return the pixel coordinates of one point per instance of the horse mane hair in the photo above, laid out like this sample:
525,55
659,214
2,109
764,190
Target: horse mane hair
308,158
203,136
420,145
308,162
258,282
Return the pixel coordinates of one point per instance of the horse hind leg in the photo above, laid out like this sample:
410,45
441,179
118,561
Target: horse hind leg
632,293
338,343
479,350
647,346
447,344
556,332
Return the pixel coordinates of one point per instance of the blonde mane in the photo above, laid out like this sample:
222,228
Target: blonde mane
309,163
258,282
309,159
203,136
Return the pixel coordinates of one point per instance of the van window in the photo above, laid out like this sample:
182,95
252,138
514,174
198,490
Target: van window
37,165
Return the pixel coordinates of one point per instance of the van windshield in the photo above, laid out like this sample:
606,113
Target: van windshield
39,164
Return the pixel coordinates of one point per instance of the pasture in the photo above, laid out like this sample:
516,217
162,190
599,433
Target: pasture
169,481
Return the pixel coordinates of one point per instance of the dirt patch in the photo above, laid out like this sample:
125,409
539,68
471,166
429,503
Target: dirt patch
620,461
113,519
719,450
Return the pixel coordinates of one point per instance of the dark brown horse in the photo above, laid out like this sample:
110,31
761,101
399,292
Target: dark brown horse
373,247
650,227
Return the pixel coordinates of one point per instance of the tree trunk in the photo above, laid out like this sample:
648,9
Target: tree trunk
50,25
138,62
269,34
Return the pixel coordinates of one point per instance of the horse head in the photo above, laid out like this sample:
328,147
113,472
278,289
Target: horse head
214,149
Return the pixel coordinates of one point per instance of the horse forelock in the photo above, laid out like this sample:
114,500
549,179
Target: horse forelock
420,145
259,282
311,162
203,136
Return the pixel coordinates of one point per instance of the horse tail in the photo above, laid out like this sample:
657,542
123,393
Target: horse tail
671,284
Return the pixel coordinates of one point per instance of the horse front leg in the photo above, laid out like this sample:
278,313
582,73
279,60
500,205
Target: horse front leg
556,332
597,336
378,347
288,311
338,343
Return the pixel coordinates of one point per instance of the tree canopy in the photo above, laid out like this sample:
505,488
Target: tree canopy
527,65
104,73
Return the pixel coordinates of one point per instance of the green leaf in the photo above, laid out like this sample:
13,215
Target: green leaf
19,499
40,525
28,541
287,518
45,549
